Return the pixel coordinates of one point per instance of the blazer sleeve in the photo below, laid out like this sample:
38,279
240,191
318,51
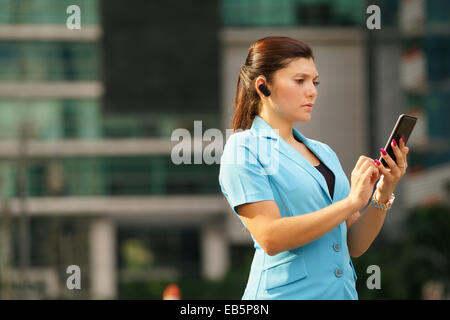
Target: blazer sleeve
242,178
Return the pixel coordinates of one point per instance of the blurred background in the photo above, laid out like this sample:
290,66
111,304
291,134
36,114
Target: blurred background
86,118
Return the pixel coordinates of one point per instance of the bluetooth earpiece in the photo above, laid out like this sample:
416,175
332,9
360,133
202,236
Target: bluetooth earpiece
264,89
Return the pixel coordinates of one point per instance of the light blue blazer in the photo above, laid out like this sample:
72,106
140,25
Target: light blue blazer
258,165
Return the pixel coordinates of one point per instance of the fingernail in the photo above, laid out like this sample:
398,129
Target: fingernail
383,152
403,139
394,142
377,162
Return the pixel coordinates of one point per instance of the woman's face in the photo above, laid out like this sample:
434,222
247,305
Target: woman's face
292,88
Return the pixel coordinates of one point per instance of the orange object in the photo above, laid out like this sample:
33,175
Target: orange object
172,292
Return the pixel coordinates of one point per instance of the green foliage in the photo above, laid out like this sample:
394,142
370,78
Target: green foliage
422,254
135,255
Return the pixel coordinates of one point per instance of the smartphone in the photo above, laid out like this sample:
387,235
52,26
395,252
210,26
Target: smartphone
403,127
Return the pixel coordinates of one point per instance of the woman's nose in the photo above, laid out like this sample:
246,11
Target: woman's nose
311,90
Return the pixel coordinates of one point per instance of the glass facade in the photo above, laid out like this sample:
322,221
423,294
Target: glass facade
46,11
50,119
49,61
83,119
263,13
155,124
118,176
425,43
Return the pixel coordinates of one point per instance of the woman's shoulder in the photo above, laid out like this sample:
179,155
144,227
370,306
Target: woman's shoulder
239,139
239,143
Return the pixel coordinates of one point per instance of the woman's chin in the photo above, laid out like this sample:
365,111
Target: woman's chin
302,118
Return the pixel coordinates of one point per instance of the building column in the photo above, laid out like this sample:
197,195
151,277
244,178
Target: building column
102,259
215,252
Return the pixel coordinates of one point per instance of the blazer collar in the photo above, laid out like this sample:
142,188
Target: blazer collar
263,129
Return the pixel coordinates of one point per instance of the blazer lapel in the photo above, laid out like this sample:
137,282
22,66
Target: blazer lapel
263,129
295,156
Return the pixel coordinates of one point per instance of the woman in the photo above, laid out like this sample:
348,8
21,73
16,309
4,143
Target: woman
290,191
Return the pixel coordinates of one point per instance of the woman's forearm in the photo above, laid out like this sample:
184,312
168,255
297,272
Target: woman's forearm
365,229
292,232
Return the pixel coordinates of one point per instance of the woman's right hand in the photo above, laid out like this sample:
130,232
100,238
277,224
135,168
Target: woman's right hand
363,179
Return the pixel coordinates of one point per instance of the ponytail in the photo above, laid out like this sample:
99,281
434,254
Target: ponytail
246,103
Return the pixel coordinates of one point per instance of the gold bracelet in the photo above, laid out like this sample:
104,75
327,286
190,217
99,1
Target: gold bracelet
383,206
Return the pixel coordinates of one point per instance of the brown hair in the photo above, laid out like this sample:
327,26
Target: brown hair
265,56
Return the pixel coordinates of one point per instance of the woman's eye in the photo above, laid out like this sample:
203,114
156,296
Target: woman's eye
316,83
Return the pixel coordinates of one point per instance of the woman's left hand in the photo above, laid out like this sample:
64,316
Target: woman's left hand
396,171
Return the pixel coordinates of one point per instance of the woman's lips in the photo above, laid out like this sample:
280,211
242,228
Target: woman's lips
307,106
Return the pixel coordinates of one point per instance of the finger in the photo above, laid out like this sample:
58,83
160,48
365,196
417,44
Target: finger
405,151
361,161
390,162
371,169
401,143
399,156
368,173
360,165
403,146
376,163
375,175
377,172
365,165
383,170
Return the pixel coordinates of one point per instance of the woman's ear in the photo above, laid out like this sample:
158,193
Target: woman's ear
261,86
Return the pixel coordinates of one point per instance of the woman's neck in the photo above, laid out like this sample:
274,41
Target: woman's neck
284,127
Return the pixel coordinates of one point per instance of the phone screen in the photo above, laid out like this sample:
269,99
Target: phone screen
404,126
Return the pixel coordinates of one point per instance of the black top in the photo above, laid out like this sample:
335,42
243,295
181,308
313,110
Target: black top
329,177
327,173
